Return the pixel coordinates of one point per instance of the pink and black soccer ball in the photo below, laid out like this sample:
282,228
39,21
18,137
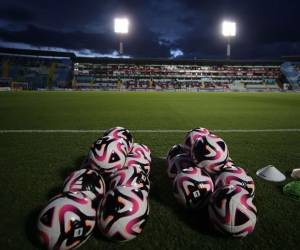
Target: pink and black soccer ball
231,167
210,152
174,151
142,150
178,163
107,155
87,181
66,222
123,213
123,133
232,212
192,135
229,163
193,187
136,160
235,175
130,177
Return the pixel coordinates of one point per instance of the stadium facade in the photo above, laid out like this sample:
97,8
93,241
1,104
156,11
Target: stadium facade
31,69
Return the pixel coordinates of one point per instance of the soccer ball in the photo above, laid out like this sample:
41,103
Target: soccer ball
107,155
235,176
192,135
231,167
180,162
120,132
229,162
232,211
210,152
123,213
131,177
174,151
193,187
142,150
66,222
86,181
137,160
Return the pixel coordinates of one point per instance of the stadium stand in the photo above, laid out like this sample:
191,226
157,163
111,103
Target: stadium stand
31,69
23,69
291,70
191,75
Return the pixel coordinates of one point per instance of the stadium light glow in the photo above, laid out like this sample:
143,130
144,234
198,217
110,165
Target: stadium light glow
121,28
228,28
228,31
121,25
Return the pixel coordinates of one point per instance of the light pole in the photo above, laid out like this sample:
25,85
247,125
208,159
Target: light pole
121,27
228,31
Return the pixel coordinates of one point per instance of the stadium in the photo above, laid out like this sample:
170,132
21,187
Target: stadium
60,110
38,70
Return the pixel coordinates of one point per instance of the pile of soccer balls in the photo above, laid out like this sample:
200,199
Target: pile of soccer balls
111,190
204,176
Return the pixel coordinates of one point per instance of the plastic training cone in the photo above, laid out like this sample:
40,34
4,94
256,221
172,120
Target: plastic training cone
292,190
296,173
270,173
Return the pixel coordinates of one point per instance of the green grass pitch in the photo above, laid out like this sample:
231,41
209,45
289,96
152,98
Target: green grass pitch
34,165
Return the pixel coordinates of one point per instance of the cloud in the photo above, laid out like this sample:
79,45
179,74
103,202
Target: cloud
176,53
156,26
82,52
51,38
135,45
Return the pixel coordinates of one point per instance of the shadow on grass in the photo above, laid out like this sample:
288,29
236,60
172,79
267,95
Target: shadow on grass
32,217
288,173
280,186
31,227
162,192
65,172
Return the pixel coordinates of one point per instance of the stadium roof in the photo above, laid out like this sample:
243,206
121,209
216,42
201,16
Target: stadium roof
176,61
43,53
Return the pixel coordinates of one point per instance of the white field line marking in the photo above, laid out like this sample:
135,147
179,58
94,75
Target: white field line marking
6,131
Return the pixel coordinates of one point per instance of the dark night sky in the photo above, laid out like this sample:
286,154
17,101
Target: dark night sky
158,28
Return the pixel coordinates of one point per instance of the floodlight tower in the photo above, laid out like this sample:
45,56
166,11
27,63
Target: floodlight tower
228,31
121,28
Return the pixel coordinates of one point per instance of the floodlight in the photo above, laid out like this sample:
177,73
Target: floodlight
228,28
121,25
